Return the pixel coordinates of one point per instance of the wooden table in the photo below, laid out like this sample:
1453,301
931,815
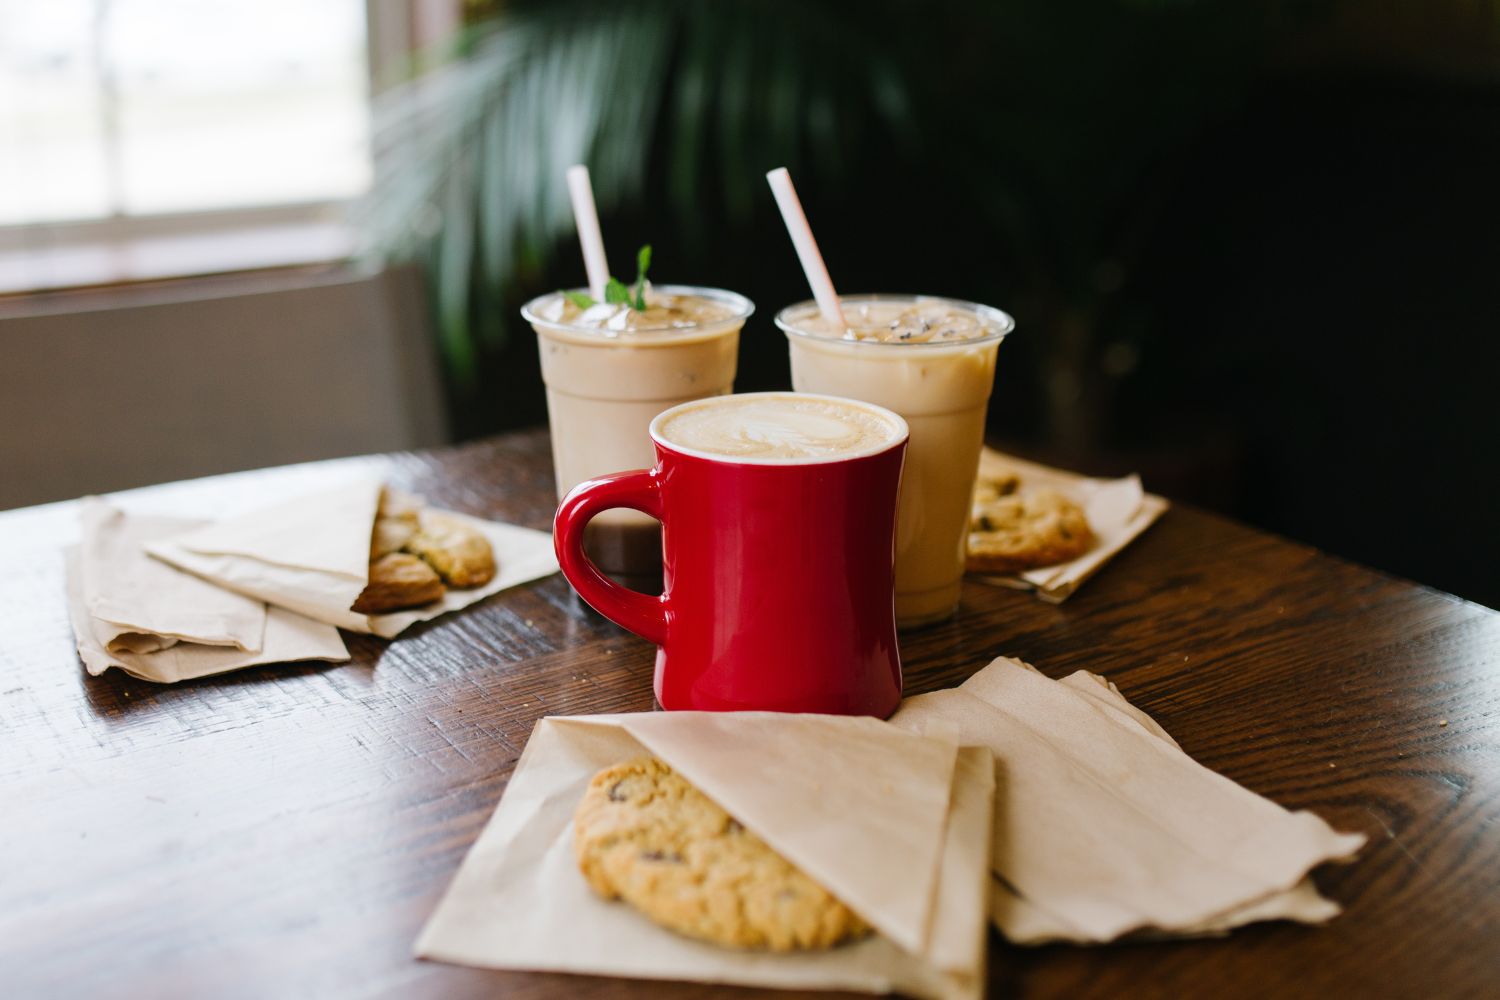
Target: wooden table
284,831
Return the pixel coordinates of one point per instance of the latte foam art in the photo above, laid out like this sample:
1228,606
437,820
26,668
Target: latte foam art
780,427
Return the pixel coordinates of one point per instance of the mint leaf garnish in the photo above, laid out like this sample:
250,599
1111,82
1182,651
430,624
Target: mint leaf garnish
617,292
642,265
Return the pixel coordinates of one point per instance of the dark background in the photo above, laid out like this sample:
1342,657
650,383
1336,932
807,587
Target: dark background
1251,248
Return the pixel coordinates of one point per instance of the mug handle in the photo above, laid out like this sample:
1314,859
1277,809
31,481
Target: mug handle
643,614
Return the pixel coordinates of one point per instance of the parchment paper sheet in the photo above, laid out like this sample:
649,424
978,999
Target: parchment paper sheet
895,825
1104,827
1118,510
311,555
139,604
286,637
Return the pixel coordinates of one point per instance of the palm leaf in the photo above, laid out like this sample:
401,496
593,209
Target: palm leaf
471,154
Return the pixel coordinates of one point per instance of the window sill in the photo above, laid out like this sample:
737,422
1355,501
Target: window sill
58,258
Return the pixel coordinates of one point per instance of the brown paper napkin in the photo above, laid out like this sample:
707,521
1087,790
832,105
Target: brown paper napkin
161,624
1118,510
139,604
895,825
311,555
1104,827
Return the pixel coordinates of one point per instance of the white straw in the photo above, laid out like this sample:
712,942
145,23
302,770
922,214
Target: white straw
807,247
586,216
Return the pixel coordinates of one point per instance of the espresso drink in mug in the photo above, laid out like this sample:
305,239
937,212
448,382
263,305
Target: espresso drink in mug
778,515
932,360
610,369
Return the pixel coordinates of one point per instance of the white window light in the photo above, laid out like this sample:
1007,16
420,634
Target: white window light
126,118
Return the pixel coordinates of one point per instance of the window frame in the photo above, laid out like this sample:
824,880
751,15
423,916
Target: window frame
124,249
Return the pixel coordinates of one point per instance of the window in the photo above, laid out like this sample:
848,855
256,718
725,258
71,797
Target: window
123,110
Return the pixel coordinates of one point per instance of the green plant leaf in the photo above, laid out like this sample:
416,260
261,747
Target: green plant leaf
472,144
452,274
642,265
617,292
579,299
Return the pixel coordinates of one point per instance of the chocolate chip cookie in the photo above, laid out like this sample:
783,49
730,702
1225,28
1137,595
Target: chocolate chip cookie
991,487
644,835
1008,534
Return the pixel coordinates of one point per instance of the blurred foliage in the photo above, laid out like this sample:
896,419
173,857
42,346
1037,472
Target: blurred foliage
470,156
1029,140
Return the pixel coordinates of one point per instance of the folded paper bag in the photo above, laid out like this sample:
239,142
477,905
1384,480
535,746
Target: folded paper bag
163,625
1104,827
311,555
141,605
1301,903
896,826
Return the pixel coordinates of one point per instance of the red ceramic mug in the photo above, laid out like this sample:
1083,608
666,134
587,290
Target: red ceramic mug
778,549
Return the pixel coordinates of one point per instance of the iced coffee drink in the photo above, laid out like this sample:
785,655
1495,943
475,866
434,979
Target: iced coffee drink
931,360
609,369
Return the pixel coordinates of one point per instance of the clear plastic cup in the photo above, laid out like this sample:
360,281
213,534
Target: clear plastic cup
603,390
942,389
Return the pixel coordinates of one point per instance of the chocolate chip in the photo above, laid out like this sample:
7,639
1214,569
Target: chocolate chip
614,792
674,857
734,826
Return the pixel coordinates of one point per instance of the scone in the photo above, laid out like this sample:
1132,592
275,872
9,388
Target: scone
644,835
1013,533
395,523
398,580
394,503
461,555
391,534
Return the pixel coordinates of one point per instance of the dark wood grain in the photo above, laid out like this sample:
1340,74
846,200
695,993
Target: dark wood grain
284,831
